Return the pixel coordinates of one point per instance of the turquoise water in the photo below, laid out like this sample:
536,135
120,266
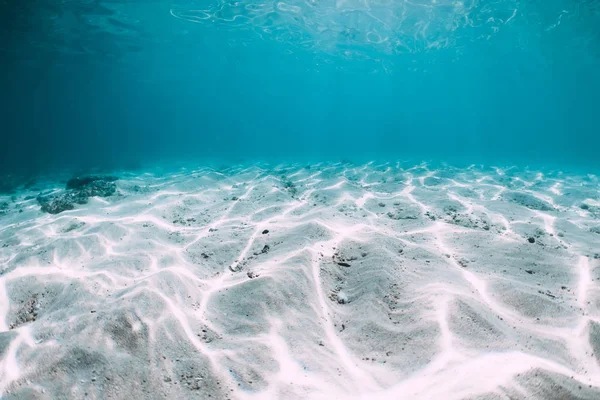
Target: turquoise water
122,83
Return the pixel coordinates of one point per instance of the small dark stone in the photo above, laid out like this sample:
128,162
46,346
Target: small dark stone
343,264
265,249
265,231
531,240
529,271
584,206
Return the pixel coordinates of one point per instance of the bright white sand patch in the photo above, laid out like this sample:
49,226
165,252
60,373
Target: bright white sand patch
330,282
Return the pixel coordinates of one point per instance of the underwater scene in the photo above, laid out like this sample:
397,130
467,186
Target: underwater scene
300,199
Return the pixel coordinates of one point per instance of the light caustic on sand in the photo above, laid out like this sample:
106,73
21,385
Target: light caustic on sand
336,281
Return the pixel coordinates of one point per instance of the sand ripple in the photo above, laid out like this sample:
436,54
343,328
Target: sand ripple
333,281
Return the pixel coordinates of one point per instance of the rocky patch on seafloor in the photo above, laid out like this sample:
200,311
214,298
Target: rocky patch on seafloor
78,191
528,200
3,207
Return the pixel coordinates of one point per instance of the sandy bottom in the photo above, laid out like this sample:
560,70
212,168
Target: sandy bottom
327,282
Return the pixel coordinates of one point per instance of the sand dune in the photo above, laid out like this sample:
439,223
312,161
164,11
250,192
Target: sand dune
335,281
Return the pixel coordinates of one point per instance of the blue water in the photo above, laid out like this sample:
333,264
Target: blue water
123,83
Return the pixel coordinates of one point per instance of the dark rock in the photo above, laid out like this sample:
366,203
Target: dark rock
530,272
265,249
343,264
291,188
265,231
56,204
101,188
79,191
531,240
80,182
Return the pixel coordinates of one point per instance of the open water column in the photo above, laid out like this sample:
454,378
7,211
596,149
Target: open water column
302,199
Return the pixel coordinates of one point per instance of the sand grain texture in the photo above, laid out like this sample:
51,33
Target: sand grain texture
336,281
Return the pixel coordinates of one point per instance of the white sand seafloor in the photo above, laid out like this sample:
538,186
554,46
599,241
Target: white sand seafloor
330,282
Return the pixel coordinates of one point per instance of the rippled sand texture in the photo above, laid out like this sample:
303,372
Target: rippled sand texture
330,282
